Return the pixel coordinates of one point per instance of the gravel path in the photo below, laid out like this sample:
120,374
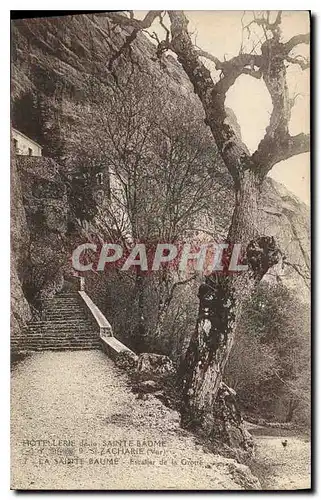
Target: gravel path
77,425
279,467
285,468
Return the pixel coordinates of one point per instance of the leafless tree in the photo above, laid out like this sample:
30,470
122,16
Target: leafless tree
159,165
220,297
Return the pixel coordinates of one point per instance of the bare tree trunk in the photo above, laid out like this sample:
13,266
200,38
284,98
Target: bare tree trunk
160,322
210,346
140,334
292,406
165,295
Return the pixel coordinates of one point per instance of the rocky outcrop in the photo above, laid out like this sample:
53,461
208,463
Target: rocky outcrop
20,309
149,364
20,234
39,223
20,240
47,213
286,218
126,360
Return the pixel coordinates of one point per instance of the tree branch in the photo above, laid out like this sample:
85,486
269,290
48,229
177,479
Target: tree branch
272,150
241,64
212,95
136,24
255,73
131,22
300,60
210,57
296,40
298,144
277,143
179,283
126,45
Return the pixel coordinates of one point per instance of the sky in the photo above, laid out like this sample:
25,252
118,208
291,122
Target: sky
220,33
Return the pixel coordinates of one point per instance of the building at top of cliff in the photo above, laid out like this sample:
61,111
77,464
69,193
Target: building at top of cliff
25,146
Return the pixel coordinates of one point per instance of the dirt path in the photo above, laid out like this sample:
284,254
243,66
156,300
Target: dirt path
279,467
76,425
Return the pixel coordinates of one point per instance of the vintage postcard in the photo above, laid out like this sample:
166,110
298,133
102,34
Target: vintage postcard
160,250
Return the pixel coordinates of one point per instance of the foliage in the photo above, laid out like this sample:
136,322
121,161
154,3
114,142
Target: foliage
269,364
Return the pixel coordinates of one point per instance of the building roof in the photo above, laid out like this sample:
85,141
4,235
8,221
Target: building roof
26,137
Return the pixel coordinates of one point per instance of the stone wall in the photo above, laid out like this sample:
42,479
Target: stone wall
24,145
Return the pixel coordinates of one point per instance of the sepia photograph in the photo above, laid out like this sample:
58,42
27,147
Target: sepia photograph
160,250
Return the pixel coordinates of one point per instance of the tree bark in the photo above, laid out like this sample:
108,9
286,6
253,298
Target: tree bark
160,322
292,406
210,346
140,336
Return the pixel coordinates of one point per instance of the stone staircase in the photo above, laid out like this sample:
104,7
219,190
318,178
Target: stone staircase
64,325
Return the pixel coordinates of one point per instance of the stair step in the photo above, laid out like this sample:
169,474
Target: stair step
62,299
60,324
45,333
62,321
68,341
59,328
60,341
62,304
61,344
65,312
65,343
52,348
51,328
64,316
66,294
56,346
56,335
56,338
69,310
64,325
71,307
53,333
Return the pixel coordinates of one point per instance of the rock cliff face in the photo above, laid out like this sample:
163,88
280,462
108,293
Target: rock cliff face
35,237
55,61
20,240
285,217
